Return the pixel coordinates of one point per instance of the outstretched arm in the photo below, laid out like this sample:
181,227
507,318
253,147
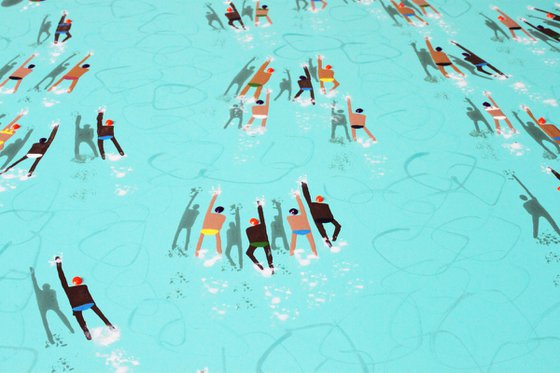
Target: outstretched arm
62,19
349,103
429,45
53,134
502,13
300,205
320,62
529,24
530,114
264,66
307,74
28,60
20,115
492,101
83,60
306,195
99,120
61,275
211,205
463,48
267,102
261,214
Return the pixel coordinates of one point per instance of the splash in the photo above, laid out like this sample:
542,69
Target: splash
103,336
117,360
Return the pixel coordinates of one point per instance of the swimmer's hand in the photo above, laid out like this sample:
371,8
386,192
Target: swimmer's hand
495,7
101,109
348,97
453,42
524,108
55,124
486,93
57,259
24,111
268,91
64,12
427,38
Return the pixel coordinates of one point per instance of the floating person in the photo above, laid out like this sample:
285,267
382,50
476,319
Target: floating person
407,13
20,73
259,111
550,129
497,114
476,116
64,26
423,4
440,59
186,223
80,299
261,77
305,85
549,15
300,226
260,12
536,210
492,25
11,150
357,120
59,69
258,238
106,132
247,10
10,129
476,61
212,224
46,300
321,214
277,230
391,12
338,119
285,86
36,152
538,136
426,61
233,235
323,6
241,77
44,29
212,17
233,15
74,74
511,25
544,30
235,112
8,66
326,75
83,135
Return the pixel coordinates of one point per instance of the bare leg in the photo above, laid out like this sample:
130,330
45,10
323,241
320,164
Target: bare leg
312,243
510,125
293,243
3,83
269,20
442,70
101,316
263,123
56,84
258,92
529,35
268,253
199,244
457,70
245,90
101,148
250,122
17,85
218,243
370,134
14,164
116,143
72,85
335,85
34,166
322,84
354,134
82,323
497,124
513,34
420,19
298,94
435,10
337,228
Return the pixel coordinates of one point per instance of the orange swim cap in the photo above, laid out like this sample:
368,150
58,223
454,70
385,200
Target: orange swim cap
77,280
549,15
253,221
270,70
68,21
109,122
501,18
328,67
541,120
319,199
16,126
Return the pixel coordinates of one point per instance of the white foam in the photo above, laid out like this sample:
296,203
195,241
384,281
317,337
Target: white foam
103,336
118,361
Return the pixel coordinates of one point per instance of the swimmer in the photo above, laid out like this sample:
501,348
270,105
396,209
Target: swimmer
80,299
258,237
441,60
74,74
305,85
357,120
64,26
300,226
259,79
321,214
36,152
212,224
475,60
233,15
20,73
10,129
555,173
550,129
544,30
511,25
323,2
423,4
549,15
407,13
496,113
260,111
325,75
261,11
106,132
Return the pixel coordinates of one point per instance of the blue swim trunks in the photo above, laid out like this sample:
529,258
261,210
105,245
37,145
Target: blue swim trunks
83,307
105,137
302,232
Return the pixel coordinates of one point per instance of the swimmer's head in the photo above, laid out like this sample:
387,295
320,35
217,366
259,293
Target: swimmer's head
219,210
68,21
541,121
540,27
43,140
77,280
294,211
109,122
85,66
359,110
438,49
401,5
319,199
501,18
486,104
229,10
265,6
523,197
270,70
301,77
328,67
30,66
16,126
253,221
46,287
549,15
259,102
467,55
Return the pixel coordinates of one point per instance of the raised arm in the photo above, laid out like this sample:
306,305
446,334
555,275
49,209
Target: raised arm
492,100
394,4
99,120
28,60
429,45
307,74
211,205
61,276
530,114
258,4
349,103
300,205
261,214
264,66
502,13
15,120
306,195
53,134
320,63
62,19
232,5
83,60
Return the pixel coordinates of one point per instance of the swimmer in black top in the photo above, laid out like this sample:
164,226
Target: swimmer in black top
258,237
321,214
233,15
305,85
106,132
80,299
64,26
544,30
36,152
549,15
476,61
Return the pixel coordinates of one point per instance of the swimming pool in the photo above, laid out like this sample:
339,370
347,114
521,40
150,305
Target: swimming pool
436,268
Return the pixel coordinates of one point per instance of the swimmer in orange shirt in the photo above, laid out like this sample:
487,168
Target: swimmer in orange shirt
511,24
74,74
299,223
213,222
325,75
20,73
440,59
407,13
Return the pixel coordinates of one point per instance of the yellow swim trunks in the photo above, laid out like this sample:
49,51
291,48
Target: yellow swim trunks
209,232
328,80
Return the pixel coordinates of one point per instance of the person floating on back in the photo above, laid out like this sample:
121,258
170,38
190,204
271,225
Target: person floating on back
80,299
321,214
106,132
36,152
63,28
20,73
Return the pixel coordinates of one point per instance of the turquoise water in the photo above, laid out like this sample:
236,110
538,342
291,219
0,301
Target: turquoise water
435,270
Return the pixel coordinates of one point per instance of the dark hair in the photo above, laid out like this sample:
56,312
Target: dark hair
485,103
85,66
293,211
42,140
265,6
438,49
30,66
219,209
359,110
540,27
301,77
465,54
260,102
